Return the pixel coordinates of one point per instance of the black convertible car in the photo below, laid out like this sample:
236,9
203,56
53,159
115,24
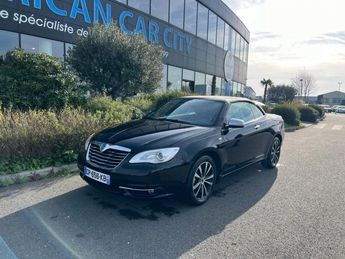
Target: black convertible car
183,147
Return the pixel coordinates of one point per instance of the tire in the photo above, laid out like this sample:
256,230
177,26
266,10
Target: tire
273,154
201,181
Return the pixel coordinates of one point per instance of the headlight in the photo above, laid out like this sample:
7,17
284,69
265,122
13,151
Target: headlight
87,143
157,156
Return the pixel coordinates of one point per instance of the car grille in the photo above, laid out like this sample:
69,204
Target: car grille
108,159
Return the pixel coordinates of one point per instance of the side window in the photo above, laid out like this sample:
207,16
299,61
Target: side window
241,111
256,112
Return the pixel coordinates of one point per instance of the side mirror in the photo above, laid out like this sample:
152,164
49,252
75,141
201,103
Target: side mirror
235,124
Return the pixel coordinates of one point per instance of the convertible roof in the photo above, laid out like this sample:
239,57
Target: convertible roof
229,99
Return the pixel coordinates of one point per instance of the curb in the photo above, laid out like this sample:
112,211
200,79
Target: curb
40,173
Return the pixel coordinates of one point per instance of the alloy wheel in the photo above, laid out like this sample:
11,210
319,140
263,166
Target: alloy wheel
203,181
275,152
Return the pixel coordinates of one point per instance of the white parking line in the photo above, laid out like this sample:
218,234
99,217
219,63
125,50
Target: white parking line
321,126
337,127
5,251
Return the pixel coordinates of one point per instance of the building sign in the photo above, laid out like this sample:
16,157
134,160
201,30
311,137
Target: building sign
229,65
71,19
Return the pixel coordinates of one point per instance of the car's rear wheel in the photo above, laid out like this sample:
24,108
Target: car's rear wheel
273,156
201,180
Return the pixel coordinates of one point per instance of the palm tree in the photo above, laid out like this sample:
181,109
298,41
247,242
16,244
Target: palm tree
266,83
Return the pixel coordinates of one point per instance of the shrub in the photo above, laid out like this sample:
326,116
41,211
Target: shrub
289,112
37,81
116,64
143,103
319,109
308,114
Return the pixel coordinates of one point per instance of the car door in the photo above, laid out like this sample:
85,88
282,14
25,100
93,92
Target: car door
263,134
239,144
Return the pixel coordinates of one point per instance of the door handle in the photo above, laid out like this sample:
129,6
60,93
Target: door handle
257,127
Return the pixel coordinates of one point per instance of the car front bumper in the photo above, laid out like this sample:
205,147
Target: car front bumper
141,181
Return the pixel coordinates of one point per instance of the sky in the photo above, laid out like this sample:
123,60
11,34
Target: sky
292,36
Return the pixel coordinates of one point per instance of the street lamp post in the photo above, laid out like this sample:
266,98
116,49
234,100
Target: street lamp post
301,89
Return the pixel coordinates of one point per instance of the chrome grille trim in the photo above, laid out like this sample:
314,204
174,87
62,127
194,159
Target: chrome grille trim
106,156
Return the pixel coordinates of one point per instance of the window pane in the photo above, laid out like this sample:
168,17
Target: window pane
233,42
188,83
8,41
209,79
212,27
199,78
190,18
226,37
35,44
174,77
160,9
142,5
220,33
218,85
177,12
238,45
122,1
202,21
256,111
188,75
241,111
68,46
163,83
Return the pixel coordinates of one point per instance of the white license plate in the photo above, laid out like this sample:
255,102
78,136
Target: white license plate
97,176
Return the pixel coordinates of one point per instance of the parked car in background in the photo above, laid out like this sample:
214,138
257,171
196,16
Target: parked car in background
339,109
183,147
327,108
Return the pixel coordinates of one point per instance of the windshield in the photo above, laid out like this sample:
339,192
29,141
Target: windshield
191,111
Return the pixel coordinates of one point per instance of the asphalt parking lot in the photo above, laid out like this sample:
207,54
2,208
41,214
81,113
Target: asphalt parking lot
295,211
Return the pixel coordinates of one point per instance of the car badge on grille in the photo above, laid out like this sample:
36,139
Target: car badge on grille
103,147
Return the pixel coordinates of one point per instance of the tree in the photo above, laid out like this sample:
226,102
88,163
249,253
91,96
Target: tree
266,83
37,81
281,93
304,83
116,64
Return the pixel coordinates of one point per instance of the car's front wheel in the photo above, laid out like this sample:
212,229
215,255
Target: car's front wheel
201,180
273,154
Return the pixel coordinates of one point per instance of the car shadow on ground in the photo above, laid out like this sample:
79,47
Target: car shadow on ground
88,223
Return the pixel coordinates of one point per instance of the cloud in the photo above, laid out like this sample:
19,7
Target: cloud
337,35
257,36
240,4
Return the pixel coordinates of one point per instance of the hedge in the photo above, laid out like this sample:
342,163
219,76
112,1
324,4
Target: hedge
319,109
308,114
289,112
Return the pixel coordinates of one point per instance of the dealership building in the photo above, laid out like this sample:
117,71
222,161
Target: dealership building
205,44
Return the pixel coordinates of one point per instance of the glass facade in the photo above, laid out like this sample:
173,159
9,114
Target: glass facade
33,44
160,9
220,33
212,27
8,41
142,5
177,13
202,21
174,78
191,16
164,78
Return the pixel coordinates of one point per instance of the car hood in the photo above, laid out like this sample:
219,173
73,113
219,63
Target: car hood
149,134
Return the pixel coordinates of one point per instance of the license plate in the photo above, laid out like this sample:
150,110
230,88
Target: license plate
97,176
